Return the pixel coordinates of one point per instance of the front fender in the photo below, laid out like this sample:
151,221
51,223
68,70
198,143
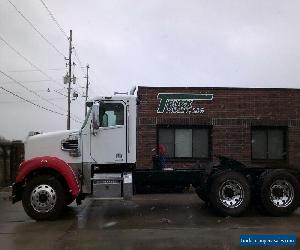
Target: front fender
54,163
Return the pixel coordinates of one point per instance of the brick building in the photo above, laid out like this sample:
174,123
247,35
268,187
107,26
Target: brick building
254,126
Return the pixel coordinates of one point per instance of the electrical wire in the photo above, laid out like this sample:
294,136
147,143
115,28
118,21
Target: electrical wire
33,92
28,89
35,104
33,26
3,102
31,102
79,61
65,34
28,61
33,70
54,19
29,81
32,64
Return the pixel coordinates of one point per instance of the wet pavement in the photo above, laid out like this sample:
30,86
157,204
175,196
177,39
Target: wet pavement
156,221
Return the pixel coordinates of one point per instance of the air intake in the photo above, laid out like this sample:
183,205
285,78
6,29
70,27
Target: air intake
69,144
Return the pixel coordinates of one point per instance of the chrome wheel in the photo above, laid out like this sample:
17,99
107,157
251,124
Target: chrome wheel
281,193
43,198
231,194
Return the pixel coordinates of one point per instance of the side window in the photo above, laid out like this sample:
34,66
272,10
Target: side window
268,143
111,114
185,142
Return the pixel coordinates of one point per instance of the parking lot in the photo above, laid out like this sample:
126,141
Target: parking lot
156,221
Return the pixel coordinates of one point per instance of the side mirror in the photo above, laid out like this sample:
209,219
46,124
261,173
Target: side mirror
95,116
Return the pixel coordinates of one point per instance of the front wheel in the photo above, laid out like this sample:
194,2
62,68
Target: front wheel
44,198
230,193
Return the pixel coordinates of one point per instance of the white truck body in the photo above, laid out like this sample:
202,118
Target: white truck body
110,144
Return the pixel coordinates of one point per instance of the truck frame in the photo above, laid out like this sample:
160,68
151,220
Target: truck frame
99,161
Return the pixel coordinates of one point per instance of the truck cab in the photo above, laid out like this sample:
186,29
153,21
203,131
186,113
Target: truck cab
96,160
109,131
108,138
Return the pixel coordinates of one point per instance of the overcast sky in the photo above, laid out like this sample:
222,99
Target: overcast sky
250,43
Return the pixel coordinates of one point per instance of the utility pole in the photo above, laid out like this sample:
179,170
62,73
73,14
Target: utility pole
69,81
87,87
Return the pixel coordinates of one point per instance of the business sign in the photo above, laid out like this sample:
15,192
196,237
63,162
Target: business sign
181,103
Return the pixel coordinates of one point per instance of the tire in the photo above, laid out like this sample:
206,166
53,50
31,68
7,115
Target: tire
44,198
279,193
69,199
230,193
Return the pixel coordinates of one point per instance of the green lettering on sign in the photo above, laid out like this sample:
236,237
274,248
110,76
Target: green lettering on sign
181,102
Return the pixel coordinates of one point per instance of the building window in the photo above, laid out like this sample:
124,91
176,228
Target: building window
268,143
111,114
185,142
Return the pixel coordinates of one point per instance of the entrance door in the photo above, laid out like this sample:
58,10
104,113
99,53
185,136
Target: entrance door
108,146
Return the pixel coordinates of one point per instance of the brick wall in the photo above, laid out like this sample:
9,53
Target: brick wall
231,114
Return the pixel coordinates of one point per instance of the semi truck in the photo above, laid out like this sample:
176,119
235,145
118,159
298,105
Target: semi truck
104,158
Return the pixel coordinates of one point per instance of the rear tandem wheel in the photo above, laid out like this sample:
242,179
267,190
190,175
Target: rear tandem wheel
230,193
279,192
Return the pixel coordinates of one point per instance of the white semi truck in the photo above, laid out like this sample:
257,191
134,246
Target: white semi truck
99,160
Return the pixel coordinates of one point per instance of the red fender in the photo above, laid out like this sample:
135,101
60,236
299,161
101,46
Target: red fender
54,163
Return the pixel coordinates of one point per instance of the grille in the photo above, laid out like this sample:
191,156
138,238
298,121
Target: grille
69,144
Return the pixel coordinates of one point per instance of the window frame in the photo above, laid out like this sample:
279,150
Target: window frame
178,159
124,114
284,129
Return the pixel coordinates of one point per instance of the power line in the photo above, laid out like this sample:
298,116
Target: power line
31,63
60,93
34,66
65,34
36,90
20,92
79,61
27,60
35,104
30,90
33,70
29,81
32,26
3,102
54,19
31,102
34,81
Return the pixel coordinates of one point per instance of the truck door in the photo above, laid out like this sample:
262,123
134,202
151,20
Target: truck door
108,145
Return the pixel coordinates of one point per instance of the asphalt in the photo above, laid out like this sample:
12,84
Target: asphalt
152,221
